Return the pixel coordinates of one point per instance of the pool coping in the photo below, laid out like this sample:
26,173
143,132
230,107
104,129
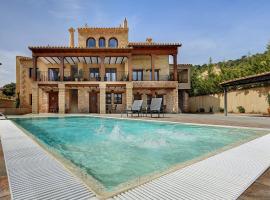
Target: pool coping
175,170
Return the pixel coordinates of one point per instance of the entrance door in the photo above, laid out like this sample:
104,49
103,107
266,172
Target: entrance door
92,102
74,101
74,72
53,102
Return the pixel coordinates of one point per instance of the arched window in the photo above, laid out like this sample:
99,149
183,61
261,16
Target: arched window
91,42
113,42
101,42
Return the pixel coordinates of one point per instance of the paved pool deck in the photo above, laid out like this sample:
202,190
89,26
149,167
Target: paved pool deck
158,189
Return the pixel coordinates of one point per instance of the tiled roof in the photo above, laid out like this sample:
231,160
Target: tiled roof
246,78
153,44
67,47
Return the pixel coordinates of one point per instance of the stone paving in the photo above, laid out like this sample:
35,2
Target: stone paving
4,188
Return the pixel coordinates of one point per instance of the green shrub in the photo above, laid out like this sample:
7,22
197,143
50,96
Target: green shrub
201,110
268,99
241,109
221,110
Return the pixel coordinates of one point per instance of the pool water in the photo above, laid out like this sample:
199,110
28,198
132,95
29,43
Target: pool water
115,151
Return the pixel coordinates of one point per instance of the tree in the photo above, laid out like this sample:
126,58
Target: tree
268,47
231,69
9,89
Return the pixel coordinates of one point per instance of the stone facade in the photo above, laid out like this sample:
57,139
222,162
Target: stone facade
124,62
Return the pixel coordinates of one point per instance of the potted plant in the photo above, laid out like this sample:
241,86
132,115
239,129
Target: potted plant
76,76
81,75
268,100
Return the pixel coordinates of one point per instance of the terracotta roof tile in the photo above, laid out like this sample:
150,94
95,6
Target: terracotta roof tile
153,44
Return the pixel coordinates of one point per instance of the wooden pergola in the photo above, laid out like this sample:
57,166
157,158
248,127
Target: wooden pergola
248,80
71,55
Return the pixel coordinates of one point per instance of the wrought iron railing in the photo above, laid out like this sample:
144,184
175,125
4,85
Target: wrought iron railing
87,76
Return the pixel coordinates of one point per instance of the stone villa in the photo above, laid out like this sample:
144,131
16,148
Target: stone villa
104,72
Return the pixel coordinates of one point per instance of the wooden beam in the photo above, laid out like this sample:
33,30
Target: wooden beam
48,60
54,60
72,60
67,61
130,70
153,67
175,75
84,60
62,65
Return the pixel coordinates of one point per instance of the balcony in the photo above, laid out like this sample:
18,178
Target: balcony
112,75
48,76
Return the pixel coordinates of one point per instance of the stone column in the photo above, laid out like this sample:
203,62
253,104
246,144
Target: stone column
35,98
102,98
175,100
129,94
61,98
144,98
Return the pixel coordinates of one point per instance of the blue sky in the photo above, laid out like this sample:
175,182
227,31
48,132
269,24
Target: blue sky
221,29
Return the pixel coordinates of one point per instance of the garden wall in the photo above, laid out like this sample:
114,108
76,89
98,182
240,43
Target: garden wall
253,100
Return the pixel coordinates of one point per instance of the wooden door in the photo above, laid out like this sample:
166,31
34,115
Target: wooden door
92,102
53,102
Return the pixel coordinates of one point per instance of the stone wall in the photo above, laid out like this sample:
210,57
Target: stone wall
253,100
121,34
43,101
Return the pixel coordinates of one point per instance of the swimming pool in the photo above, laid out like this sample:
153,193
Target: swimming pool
110,154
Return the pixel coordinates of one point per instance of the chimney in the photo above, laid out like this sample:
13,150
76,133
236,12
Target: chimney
149,40
125,23
71,37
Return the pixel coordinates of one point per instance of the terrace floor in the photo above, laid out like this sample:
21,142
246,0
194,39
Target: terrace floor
260,189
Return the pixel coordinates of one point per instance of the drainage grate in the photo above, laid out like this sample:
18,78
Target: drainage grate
32,173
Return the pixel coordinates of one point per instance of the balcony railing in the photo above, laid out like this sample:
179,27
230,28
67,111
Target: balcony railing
83,76
87,76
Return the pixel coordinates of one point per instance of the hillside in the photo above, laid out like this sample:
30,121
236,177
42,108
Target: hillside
205,78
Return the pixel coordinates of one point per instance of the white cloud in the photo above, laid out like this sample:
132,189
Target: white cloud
8,67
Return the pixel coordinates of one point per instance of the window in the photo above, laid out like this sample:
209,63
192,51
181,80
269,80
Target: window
111,74
156,74
183,76
30,99
108,98
117,98
30,72
53,74
101,42
137,75
113,42
94,72
91,42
